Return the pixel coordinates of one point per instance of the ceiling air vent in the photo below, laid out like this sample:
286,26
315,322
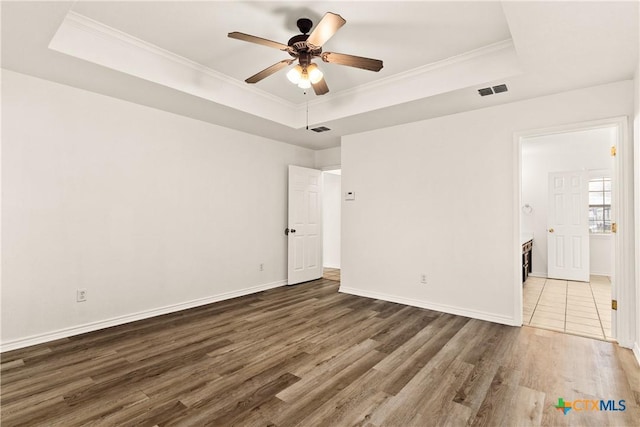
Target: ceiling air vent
320,129
490,91
500,88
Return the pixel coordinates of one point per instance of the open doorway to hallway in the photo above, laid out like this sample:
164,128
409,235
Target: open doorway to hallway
569,288
331,214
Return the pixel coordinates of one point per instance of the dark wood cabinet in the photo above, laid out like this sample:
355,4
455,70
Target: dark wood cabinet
526,259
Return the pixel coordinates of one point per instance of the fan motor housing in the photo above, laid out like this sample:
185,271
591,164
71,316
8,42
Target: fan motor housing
300,39
299,44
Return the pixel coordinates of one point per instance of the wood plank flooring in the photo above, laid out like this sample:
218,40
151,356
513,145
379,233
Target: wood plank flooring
307,355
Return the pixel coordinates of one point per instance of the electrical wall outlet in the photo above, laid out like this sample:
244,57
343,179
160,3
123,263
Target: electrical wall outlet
423,279
81,295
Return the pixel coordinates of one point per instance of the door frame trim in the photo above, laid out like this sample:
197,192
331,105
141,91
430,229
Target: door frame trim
622,325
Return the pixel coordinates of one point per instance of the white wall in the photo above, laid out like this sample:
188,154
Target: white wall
327,158
448,211
147,210
331,200
584,150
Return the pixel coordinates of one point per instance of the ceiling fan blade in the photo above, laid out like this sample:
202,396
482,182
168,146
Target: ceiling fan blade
321,87
268,71
257,40
352,61
326,28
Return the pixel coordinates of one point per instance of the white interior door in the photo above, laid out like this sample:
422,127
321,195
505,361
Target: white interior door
305,225
568,226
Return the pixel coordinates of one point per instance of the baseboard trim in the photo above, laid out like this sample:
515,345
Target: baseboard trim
459,311
120,320
596,273
592,273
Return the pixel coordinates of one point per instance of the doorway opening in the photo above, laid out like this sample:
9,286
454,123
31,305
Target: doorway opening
568,181
331,215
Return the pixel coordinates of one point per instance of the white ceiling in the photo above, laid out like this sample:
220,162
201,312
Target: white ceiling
198,31
436,55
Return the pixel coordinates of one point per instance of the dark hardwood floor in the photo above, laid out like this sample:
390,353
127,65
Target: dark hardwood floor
307,355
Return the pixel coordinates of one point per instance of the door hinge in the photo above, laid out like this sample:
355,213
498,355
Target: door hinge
614,151
614,304
614,227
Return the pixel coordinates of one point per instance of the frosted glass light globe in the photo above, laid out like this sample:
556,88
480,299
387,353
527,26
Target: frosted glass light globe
294,74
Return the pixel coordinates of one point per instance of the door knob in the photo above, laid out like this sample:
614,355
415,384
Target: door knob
551,230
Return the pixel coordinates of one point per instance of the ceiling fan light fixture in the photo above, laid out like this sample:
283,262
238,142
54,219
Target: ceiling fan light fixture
304,83
315,75
295,74
304,48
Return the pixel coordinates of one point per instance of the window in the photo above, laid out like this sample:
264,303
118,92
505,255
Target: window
600,205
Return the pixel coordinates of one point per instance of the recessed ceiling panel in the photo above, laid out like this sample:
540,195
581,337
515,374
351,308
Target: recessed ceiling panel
405,35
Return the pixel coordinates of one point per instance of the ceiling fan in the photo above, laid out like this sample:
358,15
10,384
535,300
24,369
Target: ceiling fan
303,48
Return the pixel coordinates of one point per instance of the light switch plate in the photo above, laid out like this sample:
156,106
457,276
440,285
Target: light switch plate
350,195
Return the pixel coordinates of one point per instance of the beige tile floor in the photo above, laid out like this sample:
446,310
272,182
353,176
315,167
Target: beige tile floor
577,308
331,274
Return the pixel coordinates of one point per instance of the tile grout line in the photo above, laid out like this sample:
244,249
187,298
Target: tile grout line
538,300
597,310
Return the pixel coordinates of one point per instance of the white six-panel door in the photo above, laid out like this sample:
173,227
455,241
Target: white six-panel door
568,226
305,225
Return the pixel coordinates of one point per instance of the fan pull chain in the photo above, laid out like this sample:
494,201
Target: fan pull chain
307,112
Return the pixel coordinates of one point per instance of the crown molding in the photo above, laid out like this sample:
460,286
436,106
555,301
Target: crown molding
476,67
93,41
419,71
90,25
